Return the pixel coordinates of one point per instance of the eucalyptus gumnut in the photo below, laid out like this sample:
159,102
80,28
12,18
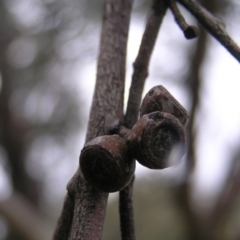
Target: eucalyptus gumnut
106,164
159,99
153,137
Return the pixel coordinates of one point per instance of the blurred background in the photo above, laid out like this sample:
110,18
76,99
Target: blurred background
48,54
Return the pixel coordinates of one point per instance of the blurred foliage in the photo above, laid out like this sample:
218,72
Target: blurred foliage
44,46
159,216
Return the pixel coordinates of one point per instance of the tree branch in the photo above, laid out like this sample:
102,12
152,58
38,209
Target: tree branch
228,195
213,26
139,76
90,203
126,212
190,32
141,63
65,220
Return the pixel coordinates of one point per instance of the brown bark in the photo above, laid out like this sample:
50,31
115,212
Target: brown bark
139,76
90,203
109,89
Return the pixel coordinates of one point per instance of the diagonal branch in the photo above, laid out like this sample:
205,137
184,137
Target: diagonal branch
139,76
141,63
189,31
213,26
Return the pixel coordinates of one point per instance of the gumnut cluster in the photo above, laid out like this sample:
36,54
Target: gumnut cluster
107,162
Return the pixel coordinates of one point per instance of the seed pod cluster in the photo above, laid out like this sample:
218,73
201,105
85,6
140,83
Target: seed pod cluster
107,161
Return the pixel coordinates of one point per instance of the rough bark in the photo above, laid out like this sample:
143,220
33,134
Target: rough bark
90,203
108,95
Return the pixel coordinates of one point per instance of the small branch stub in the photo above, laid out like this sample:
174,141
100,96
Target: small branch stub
153,137
106,164
189,31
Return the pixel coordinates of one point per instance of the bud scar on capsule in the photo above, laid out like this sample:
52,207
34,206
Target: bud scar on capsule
159,99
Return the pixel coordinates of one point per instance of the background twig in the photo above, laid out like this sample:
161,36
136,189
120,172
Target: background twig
212,26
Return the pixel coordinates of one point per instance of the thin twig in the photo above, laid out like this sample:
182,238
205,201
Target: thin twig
189,31
213,26
141,63
65,220
138,79
126,212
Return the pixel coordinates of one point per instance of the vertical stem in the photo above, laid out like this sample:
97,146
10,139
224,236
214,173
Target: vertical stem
65,221
89,203
126,212
109,89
